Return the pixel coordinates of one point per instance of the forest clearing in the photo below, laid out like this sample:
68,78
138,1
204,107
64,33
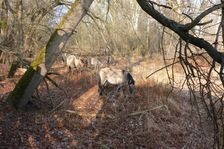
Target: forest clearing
112,74
154,118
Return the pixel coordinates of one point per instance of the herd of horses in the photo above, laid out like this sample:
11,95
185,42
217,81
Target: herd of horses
121,79
78,63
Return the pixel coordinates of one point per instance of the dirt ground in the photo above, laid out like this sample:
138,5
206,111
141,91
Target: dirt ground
79,118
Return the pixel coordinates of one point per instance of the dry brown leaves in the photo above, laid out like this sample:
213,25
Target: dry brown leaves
82,119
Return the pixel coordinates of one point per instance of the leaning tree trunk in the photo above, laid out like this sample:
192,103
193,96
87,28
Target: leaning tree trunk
43,62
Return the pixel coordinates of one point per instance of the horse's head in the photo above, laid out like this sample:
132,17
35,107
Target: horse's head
84,61
131,83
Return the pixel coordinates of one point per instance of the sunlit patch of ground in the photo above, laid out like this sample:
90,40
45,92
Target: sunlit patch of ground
79,118
87,105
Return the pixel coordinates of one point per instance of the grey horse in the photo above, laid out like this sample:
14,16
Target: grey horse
72,62
120,78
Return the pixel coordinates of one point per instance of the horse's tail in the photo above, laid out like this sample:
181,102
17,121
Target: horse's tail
99,81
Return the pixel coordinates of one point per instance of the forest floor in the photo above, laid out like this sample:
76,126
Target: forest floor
77,117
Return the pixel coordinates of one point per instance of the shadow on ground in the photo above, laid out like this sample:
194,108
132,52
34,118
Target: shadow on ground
82,119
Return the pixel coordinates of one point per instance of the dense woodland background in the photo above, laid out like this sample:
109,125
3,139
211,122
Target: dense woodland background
173,49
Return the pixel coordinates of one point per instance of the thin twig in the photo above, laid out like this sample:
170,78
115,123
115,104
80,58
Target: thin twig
145,111
161,69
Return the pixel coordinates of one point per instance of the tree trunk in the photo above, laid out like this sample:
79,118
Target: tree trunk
43,62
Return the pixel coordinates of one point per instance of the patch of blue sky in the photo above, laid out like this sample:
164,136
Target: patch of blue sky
60,11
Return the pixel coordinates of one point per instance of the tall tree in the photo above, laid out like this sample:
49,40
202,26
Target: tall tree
198,79
43,62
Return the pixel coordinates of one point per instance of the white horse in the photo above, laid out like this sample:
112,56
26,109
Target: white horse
64,57
95,62
72,62
119,77
110,60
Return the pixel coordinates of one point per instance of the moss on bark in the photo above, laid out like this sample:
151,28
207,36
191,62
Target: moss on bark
39,59
36,72
15,96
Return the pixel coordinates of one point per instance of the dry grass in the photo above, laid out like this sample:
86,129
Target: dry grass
82,119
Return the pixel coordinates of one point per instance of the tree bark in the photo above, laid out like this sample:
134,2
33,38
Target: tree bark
43,62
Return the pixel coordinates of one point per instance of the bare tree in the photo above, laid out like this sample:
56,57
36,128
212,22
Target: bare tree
43,62
190,49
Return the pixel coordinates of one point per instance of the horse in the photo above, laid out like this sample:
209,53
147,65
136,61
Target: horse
80,62
119,77
110,60
95,62
72,62
64,57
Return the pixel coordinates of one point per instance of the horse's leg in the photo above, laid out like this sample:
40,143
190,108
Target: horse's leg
101,88
131,90
69,69
119,87
99,85
79,71
123,91
76,71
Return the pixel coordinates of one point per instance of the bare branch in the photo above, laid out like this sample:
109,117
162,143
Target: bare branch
160,5
162,69
180,29
9,7
199,24
202,15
